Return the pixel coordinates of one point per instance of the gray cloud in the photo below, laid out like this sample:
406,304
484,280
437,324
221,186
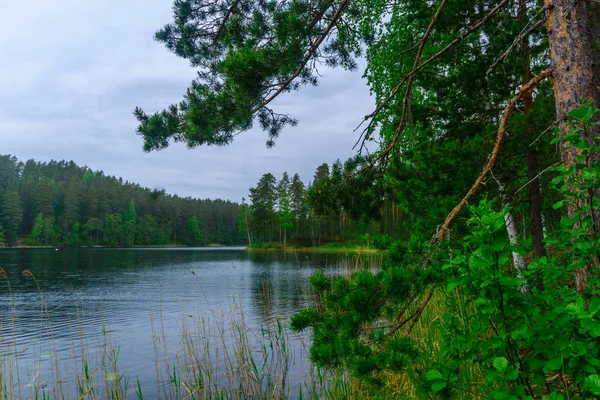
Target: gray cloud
73,71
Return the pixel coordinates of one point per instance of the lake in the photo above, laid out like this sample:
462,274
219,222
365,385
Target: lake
92,321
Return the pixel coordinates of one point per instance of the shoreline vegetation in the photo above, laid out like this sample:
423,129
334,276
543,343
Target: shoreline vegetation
334,248
343,248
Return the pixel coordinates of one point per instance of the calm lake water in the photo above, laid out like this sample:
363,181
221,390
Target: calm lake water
135,305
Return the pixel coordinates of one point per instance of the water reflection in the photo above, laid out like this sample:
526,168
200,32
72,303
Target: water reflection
81,296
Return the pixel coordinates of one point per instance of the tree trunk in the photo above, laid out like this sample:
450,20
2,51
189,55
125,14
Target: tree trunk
535,205
511,230
574,36
247,227
535,196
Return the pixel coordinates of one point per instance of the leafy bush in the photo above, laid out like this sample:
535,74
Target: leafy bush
530,333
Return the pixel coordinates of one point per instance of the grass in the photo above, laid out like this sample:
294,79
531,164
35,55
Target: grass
220,356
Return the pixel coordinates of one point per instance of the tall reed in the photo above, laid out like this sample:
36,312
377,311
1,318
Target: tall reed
221,355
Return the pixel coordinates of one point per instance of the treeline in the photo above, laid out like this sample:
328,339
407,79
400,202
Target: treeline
343,202
62,204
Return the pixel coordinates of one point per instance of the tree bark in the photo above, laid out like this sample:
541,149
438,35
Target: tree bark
574,39
513,234
535,195
535,205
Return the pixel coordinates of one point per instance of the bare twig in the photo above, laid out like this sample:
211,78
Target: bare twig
554,124
414,316
536,177
526,32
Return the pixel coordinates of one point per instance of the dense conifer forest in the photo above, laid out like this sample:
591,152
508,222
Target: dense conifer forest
59,203
335,206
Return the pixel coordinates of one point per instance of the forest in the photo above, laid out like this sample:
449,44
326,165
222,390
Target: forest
333,207
59,203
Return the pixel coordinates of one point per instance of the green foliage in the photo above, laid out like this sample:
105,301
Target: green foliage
129,224
75,236
245,51
194,237
64,204
529,332
12,215
38,228
344,203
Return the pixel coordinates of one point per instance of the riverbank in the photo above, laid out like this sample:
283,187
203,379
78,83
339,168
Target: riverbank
344,248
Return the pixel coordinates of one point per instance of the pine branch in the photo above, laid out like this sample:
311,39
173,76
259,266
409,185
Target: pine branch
222,23
309,54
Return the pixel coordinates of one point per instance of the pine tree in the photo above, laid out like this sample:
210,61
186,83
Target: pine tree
263,200
245,221
44,198
12,215
129,224
194,237
298,206
284,211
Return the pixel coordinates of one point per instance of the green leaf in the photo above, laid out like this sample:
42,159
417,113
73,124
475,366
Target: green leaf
434,375
552,365
592,383
500,363
452,285
579,113
558,204
594,306
512,375
437,386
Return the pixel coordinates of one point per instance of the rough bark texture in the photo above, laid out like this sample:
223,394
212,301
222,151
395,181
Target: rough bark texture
574,38
574,44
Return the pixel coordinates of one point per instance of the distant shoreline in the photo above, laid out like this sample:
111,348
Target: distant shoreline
150,246
316,249
327,248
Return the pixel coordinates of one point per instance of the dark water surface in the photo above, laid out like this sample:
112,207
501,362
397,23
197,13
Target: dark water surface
134,301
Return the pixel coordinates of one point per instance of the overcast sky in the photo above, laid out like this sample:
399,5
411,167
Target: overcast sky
72,71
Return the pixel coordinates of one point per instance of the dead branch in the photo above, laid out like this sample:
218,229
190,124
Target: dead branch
440,235
537,176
